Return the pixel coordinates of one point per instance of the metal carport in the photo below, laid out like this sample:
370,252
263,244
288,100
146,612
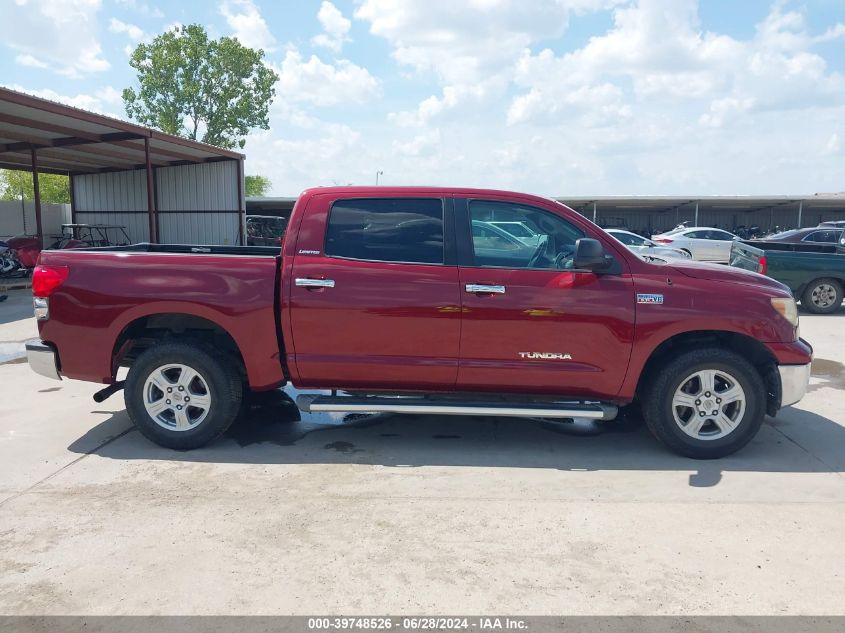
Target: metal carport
163,188
651,214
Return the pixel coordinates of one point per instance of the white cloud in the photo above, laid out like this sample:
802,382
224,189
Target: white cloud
134,33
421,144
658,48
835,32
25,59
470,47
318,83
335,26
247,24
655,103
834,144
59,35
336,154
722,109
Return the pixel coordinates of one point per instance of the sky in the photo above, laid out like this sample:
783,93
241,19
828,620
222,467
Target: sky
554,97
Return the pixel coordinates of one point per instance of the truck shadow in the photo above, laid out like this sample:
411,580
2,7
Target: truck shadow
276,433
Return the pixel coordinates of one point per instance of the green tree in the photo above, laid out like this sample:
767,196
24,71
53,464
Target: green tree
189,85
53,187
257,186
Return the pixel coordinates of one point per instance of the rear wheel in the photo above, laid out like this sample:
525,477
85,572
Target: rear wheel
182,395
705,403
822,296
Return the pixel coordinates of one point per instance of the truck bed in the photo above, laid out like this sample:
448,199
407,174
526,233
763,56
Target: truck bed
188,249
795,265
111,290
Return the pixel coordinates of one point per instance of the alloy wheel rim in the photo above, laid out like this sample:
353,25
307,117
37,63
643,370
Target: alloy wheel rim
824,295
708,404
177,397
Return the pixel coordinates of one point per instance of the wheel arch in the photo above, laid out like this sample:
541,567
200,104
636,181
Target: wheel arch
748,347
150,329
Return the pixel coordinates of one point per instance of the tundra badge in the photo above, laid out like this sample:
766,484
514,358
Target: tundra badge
545,355
647,298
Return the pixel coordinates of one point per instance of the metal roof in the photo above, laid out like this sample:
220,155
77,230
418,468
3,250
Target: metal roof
72,140
722,203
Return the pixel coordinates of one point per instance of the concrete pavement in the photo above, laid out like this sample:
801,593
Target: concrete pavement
414,514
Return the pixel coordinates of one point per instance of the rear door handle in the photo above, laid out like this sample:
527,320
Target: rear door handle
485,289
314,283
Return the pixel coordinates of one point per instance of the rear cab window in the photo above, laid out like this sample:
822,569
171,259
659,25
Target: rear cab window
400,230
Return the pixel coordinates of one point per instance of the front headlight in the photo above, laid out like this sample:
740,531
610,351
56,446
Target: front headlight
785,306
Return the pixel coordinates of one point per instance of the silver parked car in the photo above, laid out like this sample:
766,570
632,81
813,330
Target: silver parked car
644,246
703,243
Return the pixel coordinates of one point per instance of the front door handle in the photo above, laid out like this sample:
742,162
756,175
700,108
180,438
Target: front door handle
485,289
314,283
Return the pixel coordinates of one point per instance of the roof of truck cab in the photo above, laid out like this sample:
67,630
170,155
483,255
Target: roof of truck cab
387,190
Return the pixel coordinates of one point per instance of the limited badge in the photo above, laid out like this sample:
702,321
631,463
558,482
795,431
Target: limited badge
648,298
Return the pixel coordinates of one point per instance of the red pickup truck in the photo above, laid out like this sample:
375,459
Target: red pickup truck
424,300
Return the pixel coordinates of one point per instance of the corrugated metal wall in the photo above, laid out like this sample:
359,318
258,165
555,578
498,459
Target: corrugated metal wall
114,198
207,197
645,220
197,204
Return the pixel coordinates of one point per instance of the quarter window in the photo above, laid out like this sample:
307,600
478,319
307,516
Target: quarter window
550,242
387,230
824,237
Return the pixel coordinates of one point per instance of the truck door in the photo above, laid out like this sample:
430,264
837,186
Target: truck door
374,299
531,323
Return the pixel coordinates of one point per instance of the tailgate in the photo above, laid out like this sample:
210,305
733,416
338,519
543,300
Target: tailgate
745,256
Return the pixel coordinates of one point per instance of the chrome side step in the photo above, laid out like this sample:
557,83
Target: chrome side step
314,403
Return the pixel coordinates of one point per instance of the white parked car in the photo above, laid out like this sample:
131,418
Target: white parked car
520,231
703,243
644,246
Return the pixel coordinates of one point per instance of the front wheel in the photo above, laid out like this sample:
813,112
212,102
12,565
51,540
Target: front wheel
182,395
705,403
822,296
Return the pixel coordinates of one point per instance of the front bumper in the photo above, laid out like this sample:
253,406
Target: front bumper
43,359
794,380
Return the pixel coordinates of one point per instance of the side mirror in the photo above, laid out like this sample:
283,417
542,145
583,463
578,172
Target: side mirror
590,255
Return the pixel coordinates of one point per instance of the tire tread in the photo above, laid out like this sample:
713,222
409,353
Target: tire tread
657,412
220,370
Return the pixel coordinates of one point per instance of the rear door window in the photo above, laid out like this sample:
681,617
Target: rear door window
403,230
719,235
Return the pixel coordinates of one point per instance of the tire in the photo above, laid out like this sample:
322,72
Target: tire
682,428
190,370
822,296
688,252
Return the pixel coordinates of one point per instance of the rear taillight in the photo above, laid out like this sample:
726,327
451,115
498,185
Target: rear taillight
762,265
662,240
46,279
